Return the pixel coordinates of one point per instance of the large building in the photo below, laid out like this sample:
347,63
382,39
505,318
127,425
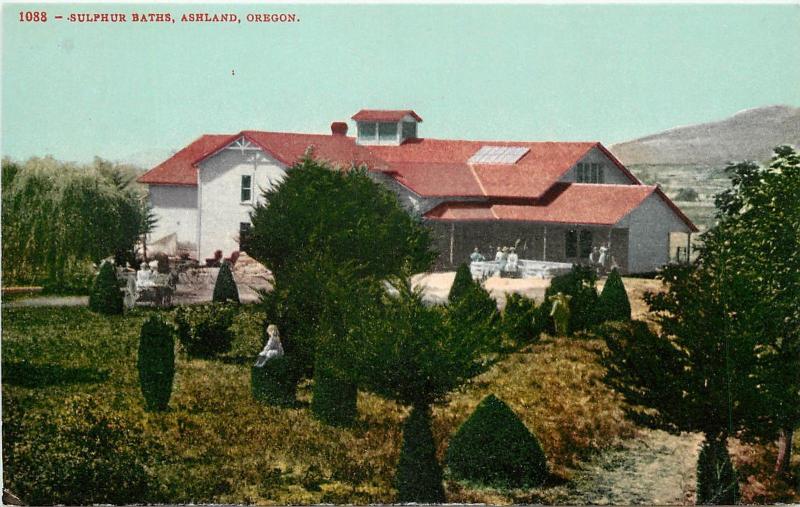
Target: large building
554,200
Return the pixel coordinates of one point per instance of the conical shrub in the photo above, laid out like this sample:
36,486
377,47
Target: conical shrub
156,363
419,474
493,447
613,303
461,284
106,297
225,289
716,478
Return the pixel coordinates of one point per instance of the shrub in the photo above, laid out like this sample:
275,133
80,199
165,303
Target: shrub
580,285
106,298
156,362
83,454
272,383
521,322
493,447
419,475
461,284
686,194
334,399
204,330
716,478
225,289
613,303
474,308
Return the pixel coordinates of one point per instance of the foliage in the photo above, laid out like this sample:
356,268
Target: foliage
419,474
334,398
204,330
686,194
461,283
156,363
271,383
580,284
106,297
717,483
83,454
522,322
225,288
493,447
613,303
56,216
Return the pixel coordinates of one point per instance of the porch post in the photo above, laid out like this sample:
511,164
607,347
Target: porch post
452,241
544,245
689,247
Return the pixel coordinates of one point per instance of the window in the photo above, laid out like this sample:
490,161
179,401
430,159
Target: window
409,130
247,188
578,244
590,173
244,235
387,131
367,130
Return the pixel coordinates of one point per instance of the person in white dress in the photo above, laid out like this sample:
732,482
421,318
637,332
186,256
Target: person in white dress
272,349
512,264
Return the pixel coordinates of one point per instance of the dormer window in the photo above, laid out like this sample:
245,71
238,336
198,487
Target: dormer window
386,127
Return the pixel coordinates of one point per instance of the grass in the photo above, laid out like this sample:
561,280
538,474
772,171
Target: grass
221,446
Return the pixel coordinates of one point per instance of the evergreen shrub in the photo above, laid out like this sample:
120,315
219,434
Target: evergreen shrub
580,284
613,303
461,284
493,447
521,321
106,297
716,478
204,330
156,362
419,474
272,383
225,288
334,399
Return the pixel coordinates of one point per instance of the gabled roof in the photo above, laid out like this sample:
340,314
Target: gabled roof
385,115
565,203
179,169
336,149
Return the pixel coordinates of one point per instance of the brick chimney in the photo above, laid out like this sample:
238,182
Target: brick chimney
339,128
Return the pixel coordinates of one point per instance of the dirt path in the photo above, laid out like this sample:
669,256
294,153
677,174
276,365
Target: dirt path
657,469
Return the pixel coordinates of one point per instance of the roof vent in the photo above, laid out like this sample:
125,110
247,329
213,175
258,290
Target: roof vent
339,128
498,155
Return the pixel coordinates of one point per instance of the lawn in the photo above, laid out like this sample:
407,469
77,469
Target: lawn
216,444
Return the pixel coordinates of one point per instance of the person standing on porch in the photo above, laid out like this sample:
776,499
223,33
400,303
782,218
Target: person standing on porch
476,256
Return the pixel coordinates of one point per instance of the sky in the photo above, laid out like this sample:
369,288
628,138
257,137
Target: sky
608,73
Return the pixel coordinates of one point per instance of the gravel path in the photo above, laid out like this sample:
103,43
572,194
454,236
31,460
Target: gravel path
656,469
48,301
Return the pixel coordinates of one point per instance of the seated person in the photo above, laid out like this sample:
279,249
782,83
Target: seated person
272,349
512,263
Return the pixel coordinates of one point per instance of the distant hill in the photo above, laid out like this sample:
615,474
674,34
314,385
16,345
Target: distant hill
747,135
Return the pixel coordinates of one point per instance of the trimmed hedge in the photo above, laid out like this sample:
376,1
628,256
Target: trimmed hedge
225,288
272,384
493,447
156,363
334,400
717,483
204,330
419,474
461,284
613,303
106,297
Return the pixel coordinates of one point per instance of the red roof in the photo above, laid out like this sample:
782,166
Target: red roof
384,115
567,203
179,169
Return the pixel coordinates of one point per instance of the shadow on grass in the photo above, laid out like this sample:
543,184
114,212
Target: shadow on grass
25,374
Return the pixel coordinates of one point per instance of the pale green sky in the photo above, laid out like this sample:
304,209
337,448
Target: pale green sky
522,72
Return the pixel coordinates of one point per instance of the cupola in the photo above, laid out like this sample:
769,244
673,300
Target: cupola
391,127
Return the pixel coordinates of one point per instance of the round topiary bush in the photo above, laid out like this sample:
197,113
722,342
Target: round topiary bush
334,399
272,383
613,303
419,475
225,288
106,297
156,363
204,330
493,447
717,483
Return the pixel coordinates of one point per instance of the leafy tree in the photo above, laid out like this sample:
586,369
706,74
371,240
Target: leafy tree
414,354
494,447
106,298
613,303
225,289
156,362
580,285
461,283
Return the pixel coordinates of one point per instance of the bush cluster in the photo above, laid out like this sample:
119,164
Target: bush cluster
272,383
523,321
204,330
156,362
225,288
106,297
493,447
83,454
419,474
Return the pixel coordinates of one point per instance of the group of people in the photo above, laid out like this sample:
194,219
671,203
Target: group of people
600,258
506,257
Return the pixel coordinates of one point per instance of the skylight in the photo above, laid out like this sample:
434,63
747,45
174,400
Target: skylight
498,155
